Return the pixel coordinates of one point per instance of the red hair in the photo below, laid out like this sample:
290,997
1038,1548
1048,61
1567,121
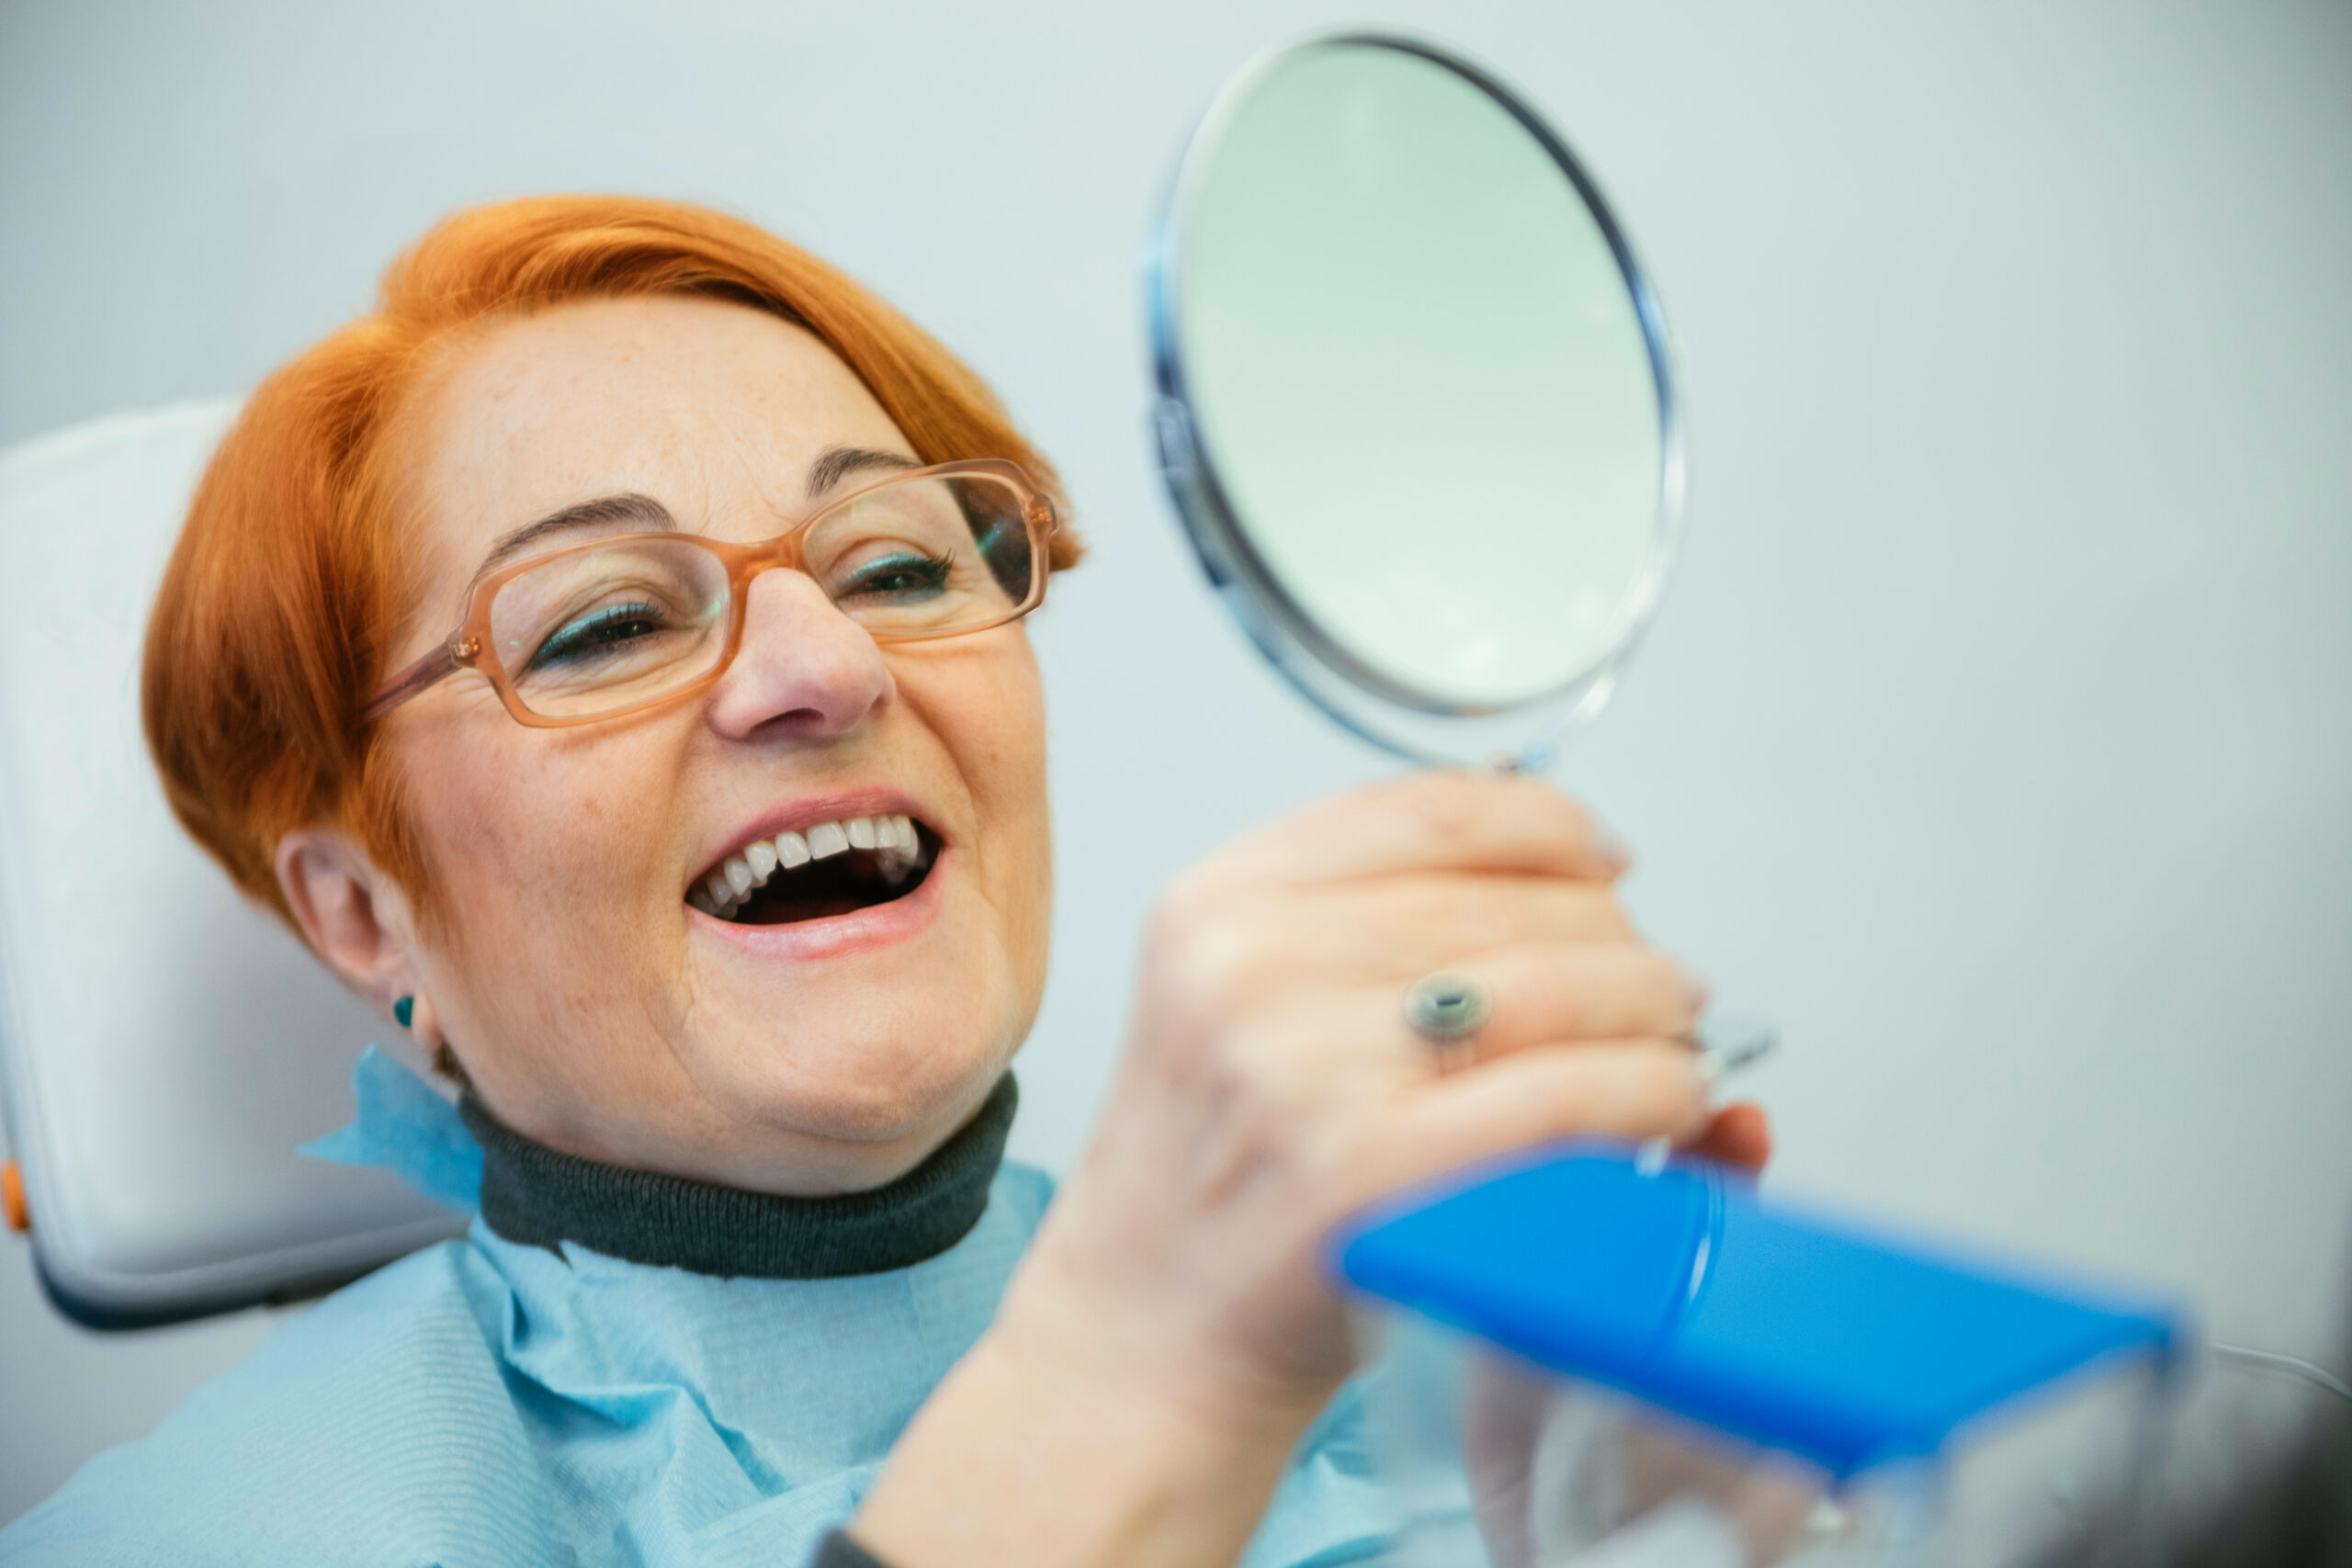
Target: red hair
291,578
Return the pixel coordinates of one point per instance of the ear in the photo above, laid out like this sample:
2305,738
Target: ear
356,919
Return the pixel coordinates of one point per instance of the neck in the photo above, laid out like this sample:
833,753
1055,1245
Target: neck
543,1197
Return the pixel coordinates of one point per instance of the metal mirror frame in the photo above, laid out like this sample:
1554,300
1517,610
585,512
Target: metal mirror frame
1415,725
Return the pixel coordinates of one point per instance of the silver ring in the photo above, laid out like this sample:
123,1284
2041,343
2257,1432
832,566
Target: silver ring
1447,1009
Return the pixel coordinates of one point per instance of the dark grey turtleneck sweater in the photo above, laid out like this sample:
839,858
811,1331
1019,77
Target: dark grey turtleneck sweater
537,1196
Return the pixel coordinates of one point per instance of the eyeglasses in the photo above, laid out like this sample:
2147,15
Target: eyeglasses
619,624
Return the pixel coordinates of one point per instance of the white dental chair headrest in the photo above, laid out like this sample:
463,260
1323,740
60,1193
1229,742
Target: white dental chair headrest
165,1045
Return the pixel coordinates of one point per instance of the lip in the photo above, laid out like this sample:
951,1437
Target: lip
835,936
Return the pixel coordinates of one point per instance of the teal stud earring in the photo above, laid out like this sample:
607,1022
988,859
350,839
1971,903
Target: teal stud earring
404,1009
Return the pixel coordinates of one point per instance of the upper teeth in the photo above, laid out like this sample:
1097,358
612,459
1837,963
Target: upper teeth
725,890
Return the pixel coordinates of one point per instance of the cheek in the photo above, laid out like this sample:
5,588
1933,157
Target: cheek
993,723
536,839
991,718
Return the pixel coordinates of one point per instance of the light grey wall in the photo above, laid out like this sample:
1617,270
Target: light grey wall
1995,740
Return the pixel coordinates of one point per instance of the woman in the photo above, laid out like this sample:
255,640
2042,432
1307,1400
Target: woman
717,878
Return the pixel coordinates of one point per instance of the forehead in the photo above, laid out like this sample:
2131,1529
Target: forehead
715,409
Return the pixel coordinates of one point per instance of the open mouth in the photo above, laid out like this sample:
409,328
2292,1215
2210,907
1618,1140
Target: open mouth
832,868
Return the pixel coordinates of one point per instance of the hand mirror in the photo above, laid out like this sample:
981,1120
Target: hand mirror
1416,403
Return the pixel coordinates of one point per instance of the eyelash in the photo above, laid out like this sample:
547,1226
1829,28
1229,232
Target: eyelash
936,567
580,637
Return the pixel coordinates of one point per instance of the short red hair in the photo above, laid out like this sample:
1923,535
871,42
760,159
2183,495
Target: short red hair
289,582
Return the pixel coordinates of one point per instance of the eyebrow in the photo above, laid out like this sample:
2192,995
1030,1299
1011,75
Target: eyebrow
832,466
838,462
642,510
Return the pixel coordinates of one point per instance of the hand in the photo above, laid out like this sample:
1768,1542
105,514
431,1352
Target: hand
1272,1088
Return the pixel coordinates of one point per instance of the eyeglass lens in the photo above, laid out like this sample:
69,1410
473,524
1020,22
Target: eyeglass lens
597,630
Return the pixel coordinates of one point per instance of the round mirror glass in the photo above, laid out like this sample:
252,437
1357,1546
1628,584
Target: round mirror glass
1416,403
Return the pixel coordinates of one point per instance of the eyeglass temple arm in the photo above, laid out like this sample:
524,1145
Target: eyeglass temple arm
445,661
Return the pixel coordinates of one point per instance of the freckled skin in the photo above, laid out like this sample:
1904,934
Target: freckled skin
565,968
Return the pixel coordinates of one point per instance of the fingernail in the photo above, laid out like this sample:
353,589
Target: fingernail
1610,849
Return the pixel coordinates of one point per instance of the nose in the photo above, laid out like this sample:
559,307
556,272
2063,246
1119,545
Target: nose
803,670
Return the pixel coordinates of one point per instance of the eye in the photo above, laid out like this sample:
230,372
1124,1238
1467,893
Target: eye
601,631
903,575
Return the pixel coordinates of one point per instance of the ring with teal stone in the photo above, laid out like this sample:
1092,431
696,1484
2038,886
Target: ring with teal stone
1447,1009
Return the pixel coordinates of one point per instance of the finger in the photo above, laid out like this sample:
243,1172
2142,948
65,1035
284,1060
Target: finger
1553,993
1423,920
1538,995
1739,1135
1629,1089
1453,819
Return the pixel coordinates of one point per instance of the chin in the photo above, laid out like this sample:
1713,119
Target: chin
868,1041
875,1074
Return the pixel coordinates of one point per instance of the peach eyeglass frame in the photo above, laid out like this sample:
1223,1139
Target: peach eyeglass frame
469,647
